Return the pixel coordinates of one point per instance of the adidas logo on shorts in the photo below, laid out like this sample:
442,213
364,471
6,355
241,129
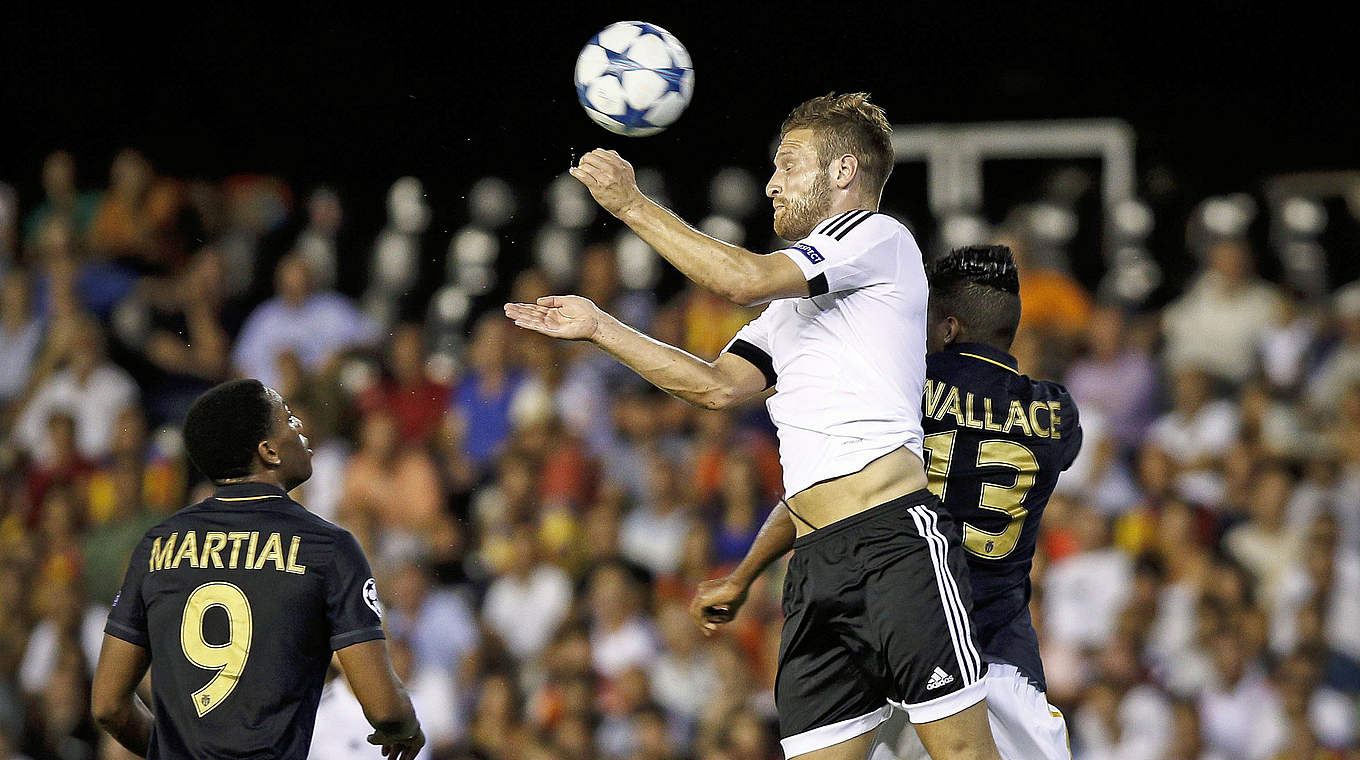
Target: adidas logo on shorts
937,679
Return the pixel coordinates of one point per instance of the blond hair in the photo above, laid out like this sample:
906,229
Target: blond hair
847,123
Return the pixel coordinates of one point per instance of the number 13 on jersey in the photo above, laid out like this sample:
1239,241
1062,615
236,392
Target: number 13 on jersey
1005,499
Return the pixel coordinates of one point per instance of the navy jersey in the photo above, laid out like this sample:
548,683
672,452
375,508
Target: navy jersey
241,599
995,443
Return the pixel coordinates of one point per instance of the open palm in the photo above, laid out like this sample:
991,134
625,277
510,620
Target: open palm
566,317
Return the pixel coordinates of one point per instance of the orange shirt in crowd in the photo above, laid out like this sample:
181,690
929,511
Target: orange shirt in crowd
1053,302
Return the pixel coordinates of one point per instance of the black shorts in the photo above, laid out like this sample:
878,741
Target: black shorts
875,613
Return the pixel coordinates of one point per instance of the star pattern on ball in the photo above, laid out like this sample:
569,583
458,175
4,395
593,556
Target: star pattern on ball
611,84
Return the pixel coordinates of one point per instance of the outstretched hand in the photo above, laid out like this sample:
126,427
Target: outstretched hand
609,179
565,317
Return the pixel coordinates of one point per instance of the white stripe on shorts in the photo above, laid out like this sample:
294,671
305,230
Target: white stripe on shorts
956,614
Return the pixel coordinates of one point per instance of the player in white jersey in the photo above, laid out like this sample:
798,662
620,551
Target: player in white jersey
876,600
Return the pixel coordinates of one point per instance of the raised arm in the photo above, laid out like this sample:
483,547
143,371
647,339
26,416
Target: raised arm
712,385
368,669
730,271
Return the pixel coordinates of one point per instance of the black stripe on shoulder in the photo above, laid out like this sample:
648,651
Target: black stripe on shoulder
846,229
758,359
840,223
817,286
826,224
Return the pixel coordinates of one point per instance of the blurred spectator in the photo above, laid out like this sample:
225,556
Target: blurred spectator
314,325
318,241
1054,301
684,676
653,533
1288,346
710,321
191,322
1195,435
437,621
620,636
1241,713
1084,593
62,200
1327,574
1115,377
1220,320
134,223
1264,544
391,484
90,388
528,599
407,392
484,396
1340,366
21,335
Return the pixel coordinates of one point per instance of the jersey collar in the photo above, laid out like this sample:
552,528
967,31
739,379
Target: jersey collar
986,353
243,493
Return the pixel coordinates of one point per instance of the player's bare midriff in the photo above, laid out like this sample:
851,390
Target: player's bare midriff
895,474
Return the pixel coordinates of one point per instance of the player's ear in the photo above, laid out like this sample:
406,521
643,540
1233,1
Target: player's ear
270,455
844,169
953,331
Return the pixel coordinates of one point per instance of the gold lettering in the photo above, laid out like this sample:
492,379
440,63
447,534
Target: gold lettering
951,405
293,566
250,550
968,418
987,422
1017,417
213,541
188,549
1053,407
1034,408
934,391
273,550
235,537
161,557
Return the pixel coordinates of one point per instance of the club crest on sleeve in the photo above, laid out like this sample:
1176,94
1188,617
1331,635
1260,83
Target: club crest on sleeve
812,254
371,597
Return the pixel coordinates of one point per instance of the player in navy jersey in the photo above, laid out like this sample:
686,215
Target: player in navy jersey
237,603
995,444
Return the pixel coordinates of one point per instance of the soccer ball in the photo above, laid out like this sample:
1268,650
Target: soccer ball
634,78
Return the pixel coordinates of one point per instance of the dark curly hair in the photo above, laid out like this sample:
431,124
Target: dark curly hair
224,426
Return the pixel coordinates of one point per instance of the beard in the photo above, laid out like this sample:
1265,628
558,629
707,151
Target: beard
802,213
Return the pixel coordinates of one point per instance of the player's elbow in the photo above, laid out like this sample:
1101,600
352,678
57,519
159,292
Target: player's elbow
720,396
745,290
747,284
107,710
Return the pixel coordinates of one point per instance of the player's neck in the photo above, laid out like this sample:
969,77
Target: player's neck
966,340
851,203
269,478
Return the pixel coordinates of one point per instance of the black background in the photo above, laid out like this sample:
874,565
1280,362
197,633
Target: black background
1221,94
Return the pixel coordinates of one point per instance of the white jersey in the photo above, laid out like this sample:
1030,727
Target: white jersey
848,363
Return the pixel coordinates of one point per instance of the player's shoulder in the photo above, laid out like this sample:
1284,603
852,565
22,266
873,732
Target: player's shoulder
1051,390
314,523
860,227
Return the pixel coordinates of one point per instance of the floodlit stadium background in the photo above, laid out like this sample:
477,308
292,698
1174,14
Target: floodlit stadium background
537,517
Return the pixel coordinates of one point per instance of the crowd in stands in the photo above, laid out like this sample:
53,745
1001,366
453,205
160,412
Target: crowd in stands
538,517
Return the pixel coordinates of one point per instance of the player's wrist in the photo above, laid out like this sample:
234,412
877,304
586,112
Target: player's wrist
605,324
632,211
